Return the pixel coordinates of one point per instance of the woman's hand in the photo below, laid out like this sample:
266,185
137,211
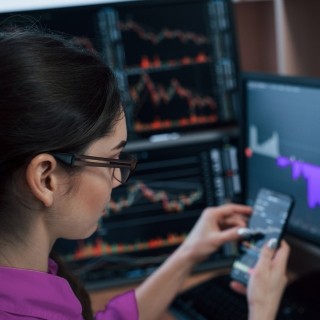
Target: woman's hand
267,282
215,226
207,235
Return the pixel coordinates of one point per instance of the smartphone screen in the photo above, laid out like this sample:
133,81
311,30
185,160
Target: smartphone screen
270,214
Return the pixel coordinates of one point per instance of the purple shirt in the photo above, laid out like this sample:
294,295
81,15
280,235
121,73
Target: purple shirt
29,294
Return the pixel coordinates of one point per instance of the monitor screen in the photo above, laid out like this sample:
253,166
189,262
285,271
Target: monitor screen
176,75
181,74
280,145
148,217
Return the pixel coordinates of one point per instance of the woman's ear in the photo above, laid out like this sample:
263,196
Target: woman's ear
41,178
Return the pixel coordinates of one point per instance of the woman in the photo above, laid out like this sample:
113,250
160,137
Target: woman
62,131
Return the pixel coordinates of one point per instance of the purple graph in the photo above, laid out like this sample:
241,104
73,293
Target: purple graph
309,172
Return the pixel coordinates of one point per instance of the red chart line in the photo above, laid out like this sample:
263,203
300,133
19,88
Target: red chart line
164,34
159,94
169,204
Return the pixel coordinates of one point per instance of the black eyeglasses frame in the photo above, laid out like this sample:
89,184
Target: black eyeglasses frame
92,161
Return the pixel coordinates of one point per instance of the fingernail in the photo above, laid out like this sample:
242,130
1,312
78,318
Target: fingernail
272,243
244,232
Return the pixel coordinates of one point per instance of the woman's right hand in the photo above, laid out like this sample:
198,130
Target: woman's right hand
267,282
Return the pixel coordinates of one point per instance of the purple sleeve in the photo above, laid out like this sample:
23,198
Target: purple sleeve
122,307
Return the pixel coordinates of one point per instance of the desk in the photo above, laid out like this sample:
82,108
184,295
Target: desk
101,297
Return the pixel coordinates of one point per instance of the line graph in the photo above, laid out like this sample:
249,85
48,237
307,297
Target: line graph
310,172
170,202
191,64
299,169
159,94
173,75
197,108
165,34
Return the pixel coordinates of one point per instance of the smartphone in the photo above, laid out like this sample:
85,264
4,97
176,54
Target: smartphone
271,211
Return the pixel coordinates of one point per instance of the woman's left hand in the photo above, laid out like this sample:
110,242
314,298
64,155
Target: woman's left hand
215,226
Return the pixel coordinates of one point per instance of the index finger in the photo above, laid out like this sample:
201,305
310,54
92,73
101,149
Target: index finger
232,208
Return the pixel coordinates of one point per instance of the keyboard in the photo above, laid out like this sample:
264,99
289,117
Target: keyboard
214,300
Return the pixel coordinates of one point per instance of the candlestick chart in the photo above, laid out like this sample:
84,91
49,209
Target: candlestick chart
179,75
162,97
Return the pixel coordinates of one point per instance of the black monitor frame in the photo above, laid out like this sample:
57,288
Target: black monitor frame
215,80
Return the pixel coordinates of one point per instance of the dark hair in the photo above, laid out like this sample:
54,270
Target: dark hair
50,86
54,96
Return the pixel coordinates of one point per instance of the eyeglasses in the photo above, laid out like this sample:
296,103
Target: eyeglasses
124,166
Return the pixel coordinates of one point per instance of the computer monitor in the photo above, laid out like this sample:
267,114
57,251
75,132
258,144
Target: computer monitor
176,63
182,73
151,215
280,146
176,60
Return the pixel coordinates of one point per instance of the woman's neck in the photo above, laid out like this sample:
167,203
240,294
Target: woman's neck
31,253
